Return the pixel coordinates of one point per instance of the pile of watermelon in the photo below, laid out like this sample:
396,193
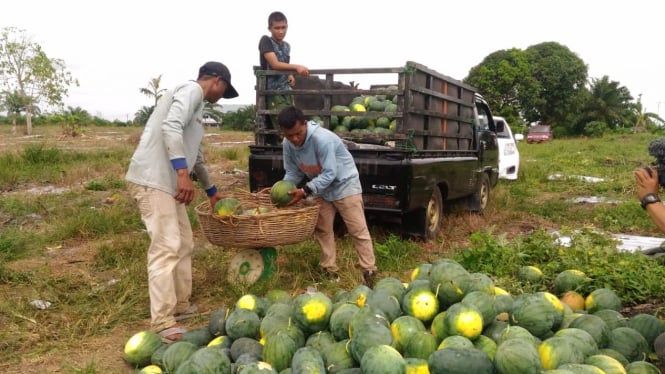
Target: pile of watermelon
444,320
382,123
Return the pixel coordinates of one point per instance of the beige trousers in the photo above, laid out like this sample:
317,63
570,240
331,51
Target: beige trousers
352,212
169,254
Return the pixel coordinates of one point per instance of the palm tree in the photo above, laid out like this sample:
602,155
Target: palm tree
74,118
78,115
213,111
153,89
607,102
644,119
242,119
15,103
142,115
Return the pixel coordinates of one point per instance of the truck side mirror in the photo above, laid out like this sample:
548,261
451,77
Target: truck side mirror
519,137
499,126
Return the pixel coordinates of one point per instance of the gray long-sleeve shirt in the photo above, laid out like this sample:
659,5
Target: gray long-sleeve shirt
174,131
324,159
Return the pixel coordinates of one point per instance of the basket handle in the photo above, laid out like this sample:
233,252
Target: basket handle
253,194
263,191
231,220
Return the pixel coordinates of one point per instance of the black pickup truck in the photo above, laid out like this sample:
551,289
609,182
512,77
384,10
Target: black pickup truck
440,148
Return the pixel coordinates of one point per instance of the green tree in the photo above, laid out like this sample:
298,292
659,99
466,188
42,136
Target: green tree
242,119
607,102
562,75
26,69
645,120
142,115
595,129
214,111
504,77
153,89
14,104
79,115
74,118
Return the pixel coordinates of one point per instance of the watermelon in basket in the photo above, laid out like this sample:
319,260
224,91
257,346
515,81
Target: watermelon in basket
259,223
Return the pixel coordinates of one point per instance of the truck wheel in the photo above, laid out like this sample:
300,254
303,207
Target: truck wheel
481,198
433,217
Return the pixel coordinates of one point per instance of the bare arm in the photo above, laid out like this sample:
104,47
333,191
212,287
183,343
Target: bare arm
647,184
186,190
271,57
657,213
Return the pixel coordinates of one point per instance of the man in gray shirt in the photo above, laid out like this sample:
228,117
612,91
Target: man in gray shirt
159,175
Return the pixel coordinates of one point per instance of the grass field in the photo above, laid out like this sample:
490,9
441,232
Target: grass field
70,235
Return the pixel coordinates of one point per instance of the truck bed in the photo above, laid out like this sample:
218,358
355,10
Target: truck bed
434,111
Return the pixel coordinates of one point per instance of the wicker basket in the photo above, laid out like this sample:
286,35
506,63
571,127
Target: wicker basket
280,226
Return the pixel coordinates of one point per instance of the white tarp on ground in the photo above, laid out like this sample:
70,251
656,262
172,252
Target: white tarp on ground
559,176
594,200
632,243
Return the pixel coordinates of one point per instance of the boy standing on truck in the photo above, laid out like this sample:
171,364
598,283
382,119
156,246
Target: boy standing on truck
275,54
315,153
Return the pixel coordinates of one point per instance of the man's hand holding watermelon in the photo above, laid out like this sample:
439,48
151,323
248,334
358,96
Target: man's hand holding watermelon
296,195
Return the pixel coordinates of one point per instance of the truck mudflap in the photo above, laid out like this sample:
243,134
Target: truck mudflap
266,167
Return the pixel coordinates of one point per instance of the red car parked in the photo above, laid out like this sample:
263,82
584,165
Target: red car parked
539,134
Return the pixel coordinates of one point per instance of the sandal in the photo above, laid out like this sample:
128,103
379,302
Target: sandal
189,313
172,334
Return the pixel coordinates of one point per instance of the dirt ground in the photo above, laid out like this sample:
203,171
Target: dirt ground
103,351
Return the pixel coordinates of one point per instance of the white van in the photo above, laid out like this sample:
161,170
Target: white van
509,155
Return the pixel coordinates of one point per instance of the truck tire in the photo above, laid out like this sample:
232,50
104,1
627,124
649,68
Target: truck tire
481,197
434,214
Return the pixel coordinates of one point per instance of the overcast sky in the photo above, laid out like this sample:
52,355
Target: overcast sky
116,47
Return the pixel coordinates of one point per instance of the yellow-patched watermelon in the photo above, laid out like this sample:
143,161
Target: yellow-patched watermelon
228,206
